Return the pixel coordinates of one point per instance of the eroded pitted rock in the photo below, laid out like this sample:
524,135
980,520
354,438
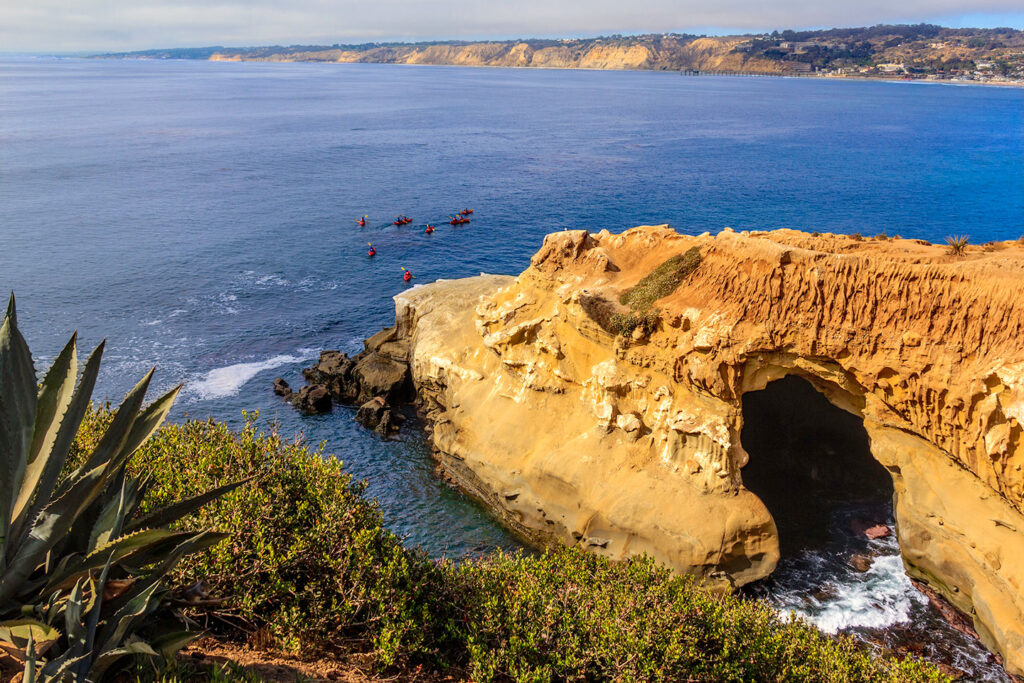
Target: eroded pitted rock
636,443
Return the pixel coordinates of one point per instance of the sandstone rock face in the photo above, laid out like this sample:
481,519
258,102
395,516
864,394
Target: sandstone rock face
628,445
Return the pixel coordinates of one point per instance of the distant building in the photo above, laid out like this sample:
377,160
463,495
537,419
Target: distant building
891,68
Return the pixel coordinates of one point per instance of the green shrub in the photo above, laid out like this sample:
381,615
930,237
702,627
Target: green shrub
626,323
661,281
310,564
572,615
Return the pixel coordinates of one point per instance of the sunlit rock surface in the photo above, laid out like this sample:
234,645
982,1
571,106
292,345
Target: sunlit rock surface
630,445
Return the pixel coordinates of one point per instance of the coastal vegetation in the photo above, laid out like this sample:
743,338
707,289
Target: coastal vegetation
82,564
309,569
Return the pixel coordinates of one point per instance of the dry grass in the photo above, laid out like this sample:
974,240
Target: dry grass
957,244
661,281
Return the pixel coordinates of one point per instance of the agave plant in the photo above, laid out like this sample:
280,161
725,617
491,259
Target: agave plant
81,570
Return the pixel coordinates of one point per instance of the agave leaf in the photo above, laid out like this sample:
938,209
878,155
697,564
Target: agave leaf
73,621
53,523
124,620
60,668
117,432
175,511
92,620
53,400
160,552
15,635
170,643
62,445
30,661
17,411
147,422
113,551
110,657
111,519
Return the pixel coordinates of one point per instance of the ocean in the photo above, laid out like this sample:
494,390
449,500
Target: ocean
201,216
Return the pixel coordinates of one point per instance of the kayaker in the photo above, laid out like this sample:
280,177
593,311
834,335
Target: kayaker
406,275
430,229
372,252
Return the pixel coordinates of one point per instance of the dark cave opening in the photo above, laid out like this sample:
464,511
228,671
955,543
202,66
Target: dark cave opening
808,460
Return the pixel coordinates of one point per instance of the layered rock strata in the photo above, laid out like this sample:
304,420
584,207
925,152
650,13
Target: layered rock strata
575,434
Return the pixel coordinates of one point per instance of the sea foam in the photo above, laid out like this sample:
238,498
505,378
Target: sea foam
229,380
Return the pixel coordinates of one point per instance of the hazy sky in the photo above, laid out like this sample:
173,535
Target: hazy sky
71,25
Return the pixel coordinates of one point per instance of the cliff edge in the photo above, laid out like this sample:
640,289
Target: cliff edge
576,433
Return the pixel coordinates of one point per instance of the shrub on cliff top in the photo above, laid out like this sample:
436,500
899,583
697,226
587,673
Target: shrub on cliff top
310,566
661,281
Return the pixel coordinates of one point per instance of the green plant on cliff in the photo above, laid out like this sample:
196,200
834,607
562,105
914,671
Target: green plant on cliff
81,574
661,281
309,565
626,323
311,569
957,244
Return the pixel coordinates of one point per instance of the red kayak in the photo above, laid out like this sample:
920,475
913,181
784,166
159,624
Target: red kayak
402,221
465,212
430,229
458,221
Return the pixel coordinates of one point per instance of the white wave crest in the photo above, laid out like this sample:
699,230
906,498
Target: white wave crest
229,380
878,598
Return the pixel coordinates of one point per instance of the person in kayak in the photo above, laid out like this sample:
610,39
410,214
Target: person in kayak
372,252
406,274
362,222
430,229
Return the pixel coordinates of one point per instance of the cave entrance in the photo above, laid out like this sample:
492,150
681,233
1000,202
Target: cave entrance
809,462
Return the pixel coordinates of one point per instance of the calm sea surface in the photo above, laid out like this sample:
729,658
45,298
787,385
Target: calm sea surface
201,216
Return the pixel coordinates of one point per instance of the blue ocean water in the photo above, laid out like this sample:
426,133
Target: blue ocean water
201,215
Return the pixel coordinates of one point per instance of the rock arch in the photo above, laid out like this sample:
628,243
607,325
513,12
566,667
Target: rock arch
625,445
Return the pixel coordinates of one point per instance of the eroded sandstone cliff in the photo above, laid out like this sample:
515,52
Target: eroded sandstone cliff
627,445
669,53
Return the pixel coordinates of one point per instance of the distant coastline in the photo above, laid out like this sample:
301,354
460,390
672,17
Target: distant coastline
921,52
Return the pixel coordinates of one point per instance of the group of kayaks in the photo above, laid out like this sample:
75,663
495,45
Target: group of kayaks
461,218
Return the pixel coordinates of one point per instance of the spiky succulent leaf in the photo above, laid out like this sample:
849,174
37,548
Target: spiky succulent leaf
115,551
17,413
53,522
175,511
111,519
62,444
54,397
116,435
16,633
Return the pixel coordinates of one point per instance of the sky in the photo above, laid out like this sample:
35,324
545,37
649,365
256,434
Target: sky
118,25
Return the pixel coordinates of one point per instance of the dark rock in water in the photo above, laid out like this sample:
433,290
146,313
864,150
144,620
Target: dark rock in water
861,563
377,415
378,375
386,426
334,371
313,398
281,388
370,413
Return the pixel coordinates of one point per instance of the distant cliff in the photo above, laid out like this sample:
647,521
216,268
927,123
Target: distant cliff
918,51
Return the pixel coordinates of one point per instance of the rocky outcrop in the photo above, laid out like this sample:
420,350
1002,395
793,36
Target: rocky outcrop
377,375
631,444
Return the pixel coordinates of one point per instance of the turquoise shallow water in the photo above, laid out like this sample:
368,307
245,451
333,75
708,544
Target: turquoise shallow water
201,216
